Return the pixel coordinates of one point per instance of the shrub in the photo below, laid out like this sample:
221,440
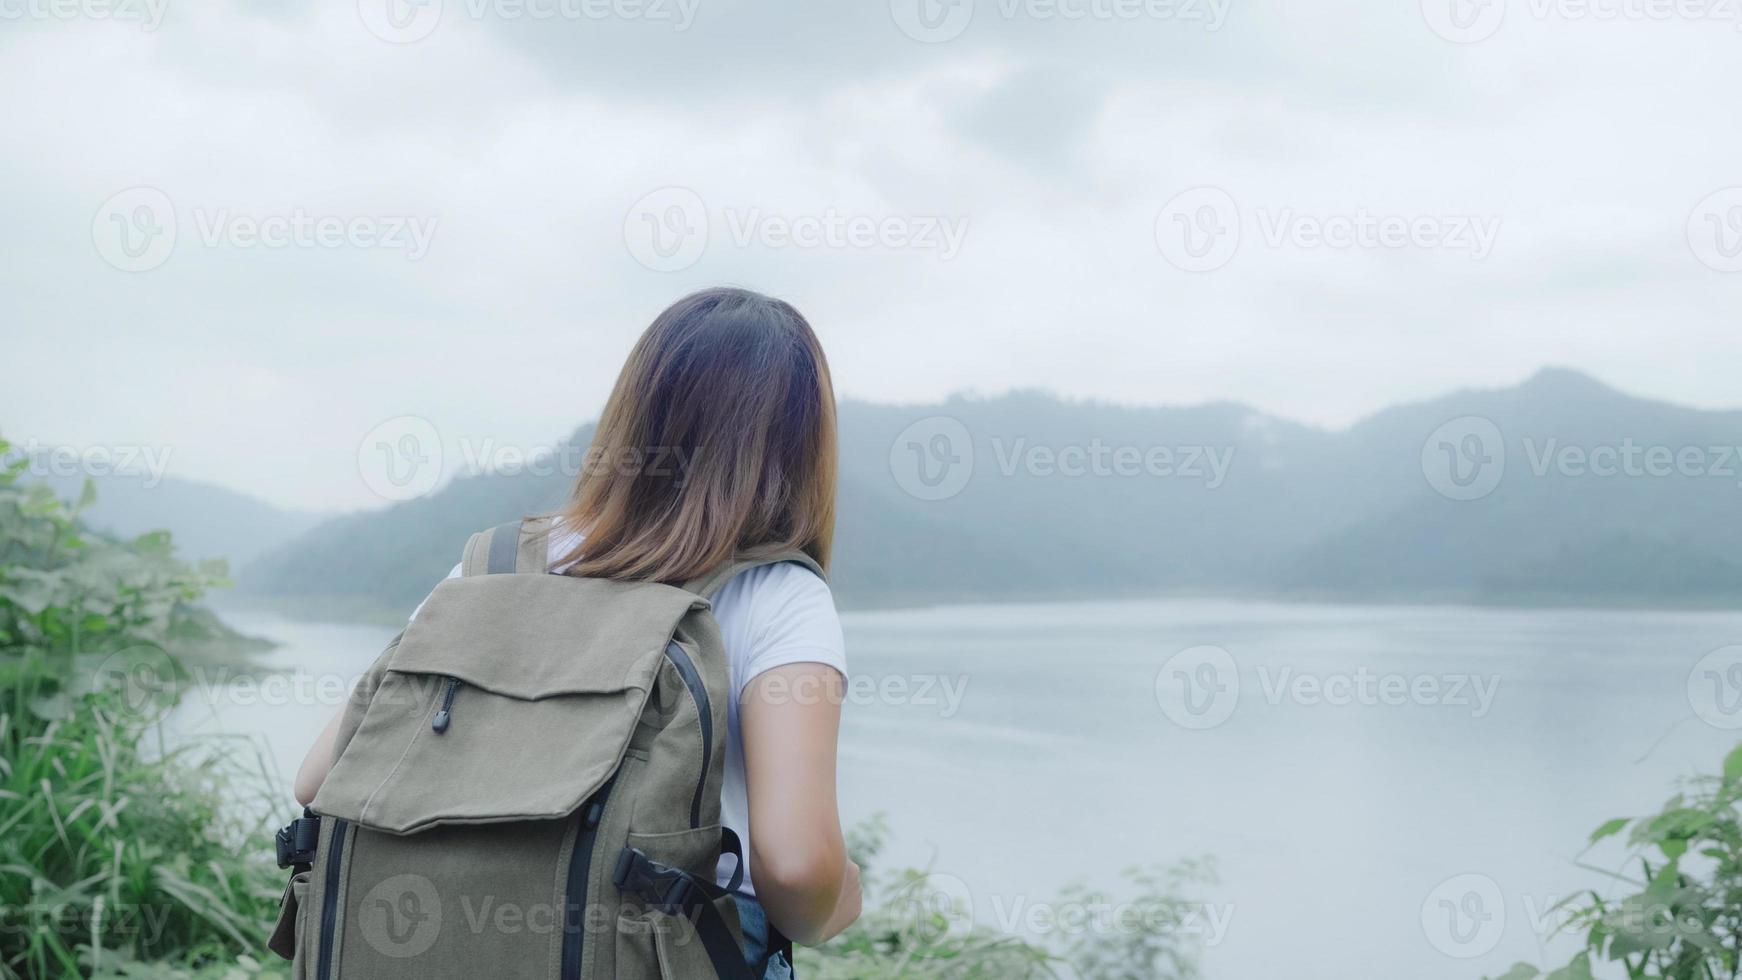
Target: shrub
915,928
1680,917
114,851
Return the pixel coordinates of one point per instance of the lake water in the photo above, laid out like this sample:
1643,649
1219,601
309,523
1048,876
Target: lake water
1393,792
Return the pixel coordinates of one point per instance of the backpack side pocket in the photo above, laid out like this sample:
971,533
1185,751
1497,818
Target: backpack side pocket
288,929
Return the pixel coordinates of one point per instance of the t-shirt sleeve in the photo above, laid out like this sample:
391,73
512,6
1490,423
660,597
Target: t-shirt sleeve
793,620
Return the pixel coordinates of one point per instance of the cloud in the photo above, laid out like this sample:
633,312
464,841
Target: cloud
1053,143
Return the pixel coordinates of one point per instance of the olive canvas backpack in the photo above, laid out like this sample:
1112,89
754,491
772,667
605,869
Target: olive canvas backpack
527,785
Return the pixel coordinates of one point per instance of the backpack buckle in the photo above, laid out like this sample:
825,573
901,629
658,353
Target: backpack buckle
663,888
298,841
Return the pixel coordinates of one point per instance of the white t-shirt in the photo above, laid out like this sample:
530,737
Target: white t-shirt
769,617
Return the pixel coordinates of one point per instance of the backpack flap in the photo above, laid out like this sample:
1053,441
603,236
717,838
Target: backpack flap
510,697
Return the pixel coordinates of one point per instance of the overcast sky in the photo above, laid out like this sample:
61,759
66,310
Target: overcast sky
249,232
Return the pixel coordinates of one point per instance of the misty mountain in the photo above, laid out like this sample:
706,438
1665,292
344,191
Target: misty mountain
1554,529
1038,497
207,521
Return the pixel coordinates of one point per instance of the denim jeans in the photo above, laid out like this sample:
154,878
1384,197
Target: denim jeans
766,963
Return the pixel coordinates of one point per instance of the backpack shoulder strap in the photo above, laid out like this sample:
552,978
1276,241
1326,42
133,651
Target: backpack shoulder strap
708,583
517,546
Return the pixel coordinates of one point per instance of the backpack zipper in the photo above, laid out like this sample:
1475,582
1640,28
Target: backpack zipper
580,869
439,723
330,898
686,669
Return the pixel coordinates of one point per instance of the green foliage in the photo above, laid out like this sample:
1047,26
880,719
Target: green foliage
916,927
1681,915
115,852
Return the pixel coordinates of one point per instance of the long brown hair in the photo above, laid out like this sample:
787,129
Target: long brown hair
718,440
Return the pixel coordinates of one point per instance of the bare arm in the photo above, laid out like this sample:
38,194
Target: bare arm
790,718
319,760
317,763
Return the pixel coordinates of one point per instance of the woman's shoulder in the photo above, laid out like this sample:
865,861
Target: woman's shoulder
781,586
784,613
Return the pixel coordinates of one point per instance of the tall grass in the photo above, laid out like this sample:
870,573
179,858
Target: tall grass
921,925
118,856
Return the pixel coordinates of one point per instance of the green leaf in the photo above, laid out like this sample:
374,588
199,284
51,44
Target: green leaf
1609,829
1733,765
1519,971
1578,969
87,494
